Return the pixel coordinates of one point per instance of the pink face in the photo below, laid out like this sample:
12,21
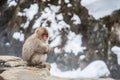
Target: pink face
45,36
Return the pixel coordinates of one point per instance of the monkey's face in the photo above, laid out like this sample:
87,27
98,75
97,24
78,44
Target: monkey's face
42,33
45,36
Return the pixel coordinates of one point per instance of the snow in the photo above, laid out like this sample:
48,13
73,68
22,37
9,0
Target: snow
82,57
94,70
101,8
59,1
29,13
69,5
49,14
57,50
25,24
59,16
67,1
76,19
56,41
74,43
116,50
7,44
11,3
18,36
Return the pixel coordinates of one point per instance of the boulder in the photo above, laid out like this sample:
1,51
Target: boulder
14,68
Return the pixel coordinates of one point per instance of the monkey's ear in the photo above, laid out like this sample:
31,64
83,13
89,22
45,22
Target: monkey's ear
36,31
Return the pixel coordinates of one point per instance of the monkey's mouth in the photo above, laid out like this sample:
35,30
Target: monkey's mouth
45,36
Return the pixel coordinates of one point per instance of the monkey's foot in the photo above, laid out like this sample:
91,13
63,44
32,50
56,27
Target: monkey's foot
46,65
32,65
40,66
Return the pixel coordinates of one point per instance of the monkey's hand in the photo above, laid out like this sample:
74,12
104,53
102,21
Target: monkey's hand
48,48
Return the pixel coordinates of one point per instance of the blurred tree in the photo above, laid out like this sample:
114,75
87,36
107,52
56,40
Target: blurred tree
97,34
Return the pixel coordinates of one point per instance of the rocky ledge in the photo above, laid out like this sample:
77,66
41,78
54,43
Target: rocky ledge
14,68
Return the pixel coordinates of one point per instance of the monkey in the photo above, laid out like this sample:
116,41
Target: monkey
36,48
1,78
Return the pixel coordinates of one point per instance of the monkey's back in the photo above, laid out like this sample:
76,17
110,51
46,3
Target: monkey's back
30,46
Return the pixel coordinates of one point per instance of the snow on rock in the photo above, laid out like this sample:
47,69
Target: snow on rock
57,50
82,57
18,36
74,43
116,50
67,1
48,14
94,70
25,25
11,3
59,16
101,8
76,19
56,42
29,13
7,44
69,5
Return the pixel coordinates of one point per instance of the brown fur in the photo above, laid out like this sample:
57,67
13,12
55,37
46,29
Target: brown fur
35,49
1,78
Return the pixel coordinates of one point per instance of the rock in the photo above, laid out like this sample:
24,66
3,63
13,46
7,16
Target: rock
11,61
9,58
32,73
25,73
17,70
7,62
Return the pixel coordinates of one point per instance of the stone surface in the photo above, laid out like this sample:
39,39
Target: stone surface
32,73
9,58
23,72
11,61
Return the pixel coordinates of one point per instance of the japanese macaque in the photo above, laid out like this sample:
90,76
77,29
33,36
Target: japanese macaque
1,78
36,47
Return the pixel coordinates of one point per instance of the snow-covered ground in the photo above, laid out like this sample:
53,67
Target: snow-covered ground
101,8
94,70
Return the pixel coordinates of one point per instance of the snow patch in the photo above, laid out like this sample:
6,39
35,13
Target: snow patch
74,43
69,5
59,16
94,70
7,44
56,42
116,50
76,19
29,13
67,1
57,50
11,3
18,36
82,57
